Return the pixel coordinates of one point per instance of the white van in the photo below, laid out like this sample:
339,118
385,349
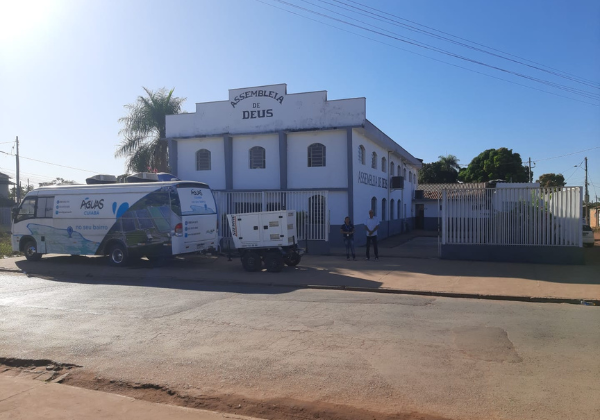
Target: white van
123,221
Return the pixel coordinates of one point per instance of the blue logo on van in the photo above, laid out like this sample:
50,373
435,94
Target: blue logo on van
122,209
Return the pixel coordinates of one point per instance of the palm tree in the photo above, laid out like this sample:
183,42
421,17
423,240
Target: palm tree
449,163
144,131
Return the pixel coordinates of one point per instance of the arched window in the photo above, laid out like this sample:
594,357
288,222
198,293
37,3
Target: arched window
405,173
392,209
257,157
203,160
399,209
361,154
374,160
399,173
383,209
316,155
392,166
374,206
383,164
409,176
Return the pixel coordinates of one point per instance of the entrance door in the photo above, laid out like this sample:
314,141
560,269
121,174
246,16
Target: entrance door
420,219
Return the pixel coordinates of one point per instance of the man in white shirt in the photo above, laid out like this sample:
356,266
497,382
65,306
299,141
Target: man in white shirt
371,225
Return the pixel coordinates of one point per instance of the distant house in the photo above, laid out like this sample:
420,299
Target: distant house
5,182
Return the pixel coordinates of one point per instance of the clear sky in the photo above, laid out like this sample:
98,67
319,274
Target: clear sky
67,68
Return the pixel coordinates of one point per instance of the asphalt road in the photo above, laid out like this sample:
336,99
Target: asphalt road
463,359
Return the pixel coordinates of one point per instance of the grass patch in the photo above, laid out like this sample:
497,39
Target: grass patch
5,244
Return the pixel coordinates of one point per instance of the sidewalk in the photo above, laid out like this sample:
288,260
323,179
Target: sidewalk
30,399
393,273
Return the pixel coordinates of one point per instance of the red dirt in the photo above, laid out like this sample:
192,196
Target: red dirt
274,409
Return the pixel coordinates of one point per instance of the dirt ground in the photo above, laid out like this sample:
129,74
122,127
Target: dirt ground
275,409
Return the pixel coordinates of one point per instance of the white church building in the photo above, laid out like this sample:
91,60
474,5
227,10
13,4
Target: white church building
265,149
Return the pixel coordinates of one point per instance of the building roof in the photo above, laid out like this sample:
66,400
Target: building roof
271,109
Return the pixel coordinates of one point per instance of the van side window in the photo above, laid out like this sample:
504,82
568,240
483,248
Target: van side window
144,219
128,222
45,206
27,209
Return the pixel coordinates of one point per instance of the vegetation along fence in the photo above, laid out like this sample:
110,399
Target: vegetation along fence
512,216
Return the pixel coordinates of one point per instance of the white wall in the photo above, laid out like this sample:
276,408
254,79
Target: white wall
338,208
256,179
333,175
186,161
432,209
267,109
364,192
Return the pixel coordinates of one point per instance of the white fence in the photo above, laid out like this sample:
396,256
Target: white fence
512,216
312,214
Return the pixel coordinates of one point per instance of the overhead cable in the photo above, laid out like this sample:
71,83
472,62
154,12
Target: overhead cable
410,41
537,66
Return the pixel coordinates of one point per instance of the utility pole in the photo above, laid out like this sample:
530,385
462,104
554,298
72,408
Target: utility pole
586,197
18,195
530,180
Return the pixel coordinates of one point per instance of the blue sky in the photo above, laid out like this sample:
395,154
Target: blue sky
68,67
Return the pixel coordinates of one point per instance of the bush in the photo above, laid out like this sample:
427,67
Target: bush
5,245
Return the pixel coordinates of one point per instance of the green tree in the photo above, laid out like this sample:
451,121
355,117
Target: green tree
436,173
551,180
12,194
144,131
57,181
444,171
494,164
449,163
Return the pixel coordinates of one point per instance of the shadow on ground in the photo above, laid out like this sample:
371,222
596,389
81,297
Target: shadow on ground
207,273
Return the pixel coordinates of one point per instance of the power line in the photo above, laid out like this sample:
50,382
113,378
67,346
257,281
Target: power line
575,170
30,175
568,154
50,163
380,31
426,56
555,72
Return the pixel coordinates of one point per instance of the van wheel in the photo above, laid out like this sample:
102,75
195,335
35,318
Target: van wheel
274,262
251,261
117,255
30,251
292,259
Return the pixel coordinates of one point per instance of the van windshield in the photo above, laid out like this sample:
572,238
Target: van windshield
196,201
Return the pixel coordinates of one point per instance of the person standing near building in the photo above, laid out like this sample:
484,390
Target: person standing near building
371,225
348,235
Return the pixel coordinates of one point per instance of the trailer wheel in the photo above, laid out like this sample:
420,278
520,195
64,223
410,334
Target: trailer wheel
117,255
292,259
30,251
251,261
274,262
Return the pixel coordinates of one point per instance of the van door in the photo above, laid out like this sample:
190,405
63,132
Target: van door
198,219
44,230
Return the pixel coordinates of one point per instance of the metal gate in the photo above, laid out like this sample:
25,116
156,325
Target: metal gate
512,216
312,214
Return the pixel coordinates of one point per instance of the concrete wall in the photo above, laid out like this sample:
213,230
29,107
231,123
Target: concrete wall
332,175
187,161
256,179
374,182
267,109
515,253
